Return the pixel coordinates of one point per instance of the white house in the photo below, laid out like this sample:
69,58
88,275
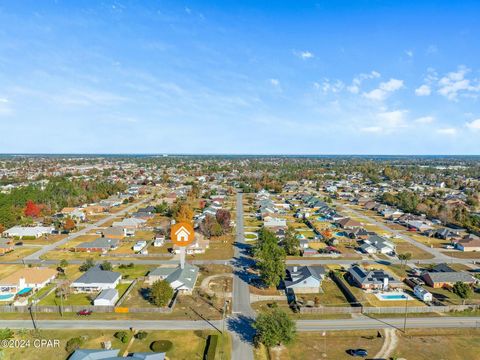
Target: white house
182,280
96,279
270,221
422,294
159,241
107,297
23,231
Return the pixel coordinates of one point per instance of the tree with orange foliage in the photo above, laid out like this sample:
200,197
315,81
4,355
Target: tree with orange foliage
327,233
184,214
31,209
2,228
69,225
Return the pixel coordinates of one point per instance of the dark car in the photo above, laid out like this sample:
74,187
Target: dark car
358,352
84,312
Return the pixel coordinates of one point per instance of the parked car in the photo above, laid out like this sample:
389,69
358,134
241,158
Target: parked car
358,352
84,312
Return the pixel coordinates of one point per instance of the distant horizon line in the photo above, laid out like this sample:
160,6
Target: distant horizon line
232,154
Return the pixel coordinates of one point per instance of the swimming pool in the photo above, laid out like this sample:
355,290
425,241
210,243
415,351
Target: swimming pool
24,291
6,297
393,297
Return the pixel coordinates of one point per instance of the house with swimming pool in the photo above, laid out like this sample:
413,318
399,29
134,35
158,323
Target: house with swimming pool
24,281
377,279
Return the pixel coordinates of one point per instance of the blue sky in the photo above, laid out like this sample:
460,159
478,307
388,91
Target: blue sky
267,77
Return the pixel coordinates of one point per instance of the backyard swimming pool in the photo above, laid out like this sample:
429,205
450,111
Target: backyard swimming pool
6,297
24,291
393,297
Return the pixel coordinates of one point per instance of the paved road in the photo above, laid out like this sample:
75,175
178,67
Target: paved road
433,251
118,262
36,255
240,322
360,323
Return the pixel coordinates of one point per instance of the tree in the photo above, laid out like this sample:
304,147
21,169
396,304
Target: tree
463,290
223,217
184,214
73,344
69,225
271,258
404,258
87,265
210,227
291,243
63,263
106,266
274,328
161,293
162,208
63,290
31,209
2,228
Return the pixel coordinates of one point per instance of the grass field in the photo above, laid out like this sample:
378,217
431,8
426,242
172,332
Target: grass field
186,344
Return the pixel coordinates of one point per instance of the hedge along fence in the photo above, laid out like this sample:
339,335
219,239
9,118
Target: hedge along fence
211,350
77,308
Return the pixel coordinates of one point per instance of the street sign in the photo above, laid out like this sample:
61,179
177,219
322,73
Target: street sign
182,234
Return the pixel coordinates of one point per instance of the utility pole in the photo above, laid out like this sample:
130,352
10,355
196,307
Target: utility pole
405,318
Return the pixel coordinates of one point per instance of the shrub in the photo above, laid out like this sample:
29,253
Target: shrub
141,335
161,346
6,334
73,344
120,334
212,343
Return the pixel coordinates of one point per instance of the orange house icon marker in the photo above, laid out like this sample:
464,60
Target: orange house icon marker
182,234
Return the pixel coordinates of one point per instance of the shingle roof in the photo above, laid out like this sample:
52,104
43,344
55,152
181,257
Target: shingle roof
97,275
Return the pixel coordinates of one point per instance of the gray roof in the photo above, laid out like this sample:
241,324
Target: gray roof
105,243
107,294
96,275
303,273
112,354
187,275
372,277
451,277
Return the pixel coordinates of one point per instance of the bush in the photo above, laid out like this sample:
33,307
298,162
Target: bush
73,344
212,343
6,334
122,336
141,335
161,346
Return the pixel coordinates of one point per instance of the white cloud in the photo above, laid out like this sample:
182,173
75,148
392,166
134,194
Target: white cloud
305,55
455,83
425,120
447,131
474,125
354,88
423,90
387,122
409,53
372,129
5,108
275,82
334,86
384,90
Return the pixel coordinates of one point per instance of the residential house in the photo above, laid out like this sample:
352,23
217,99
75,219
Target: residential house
376,244
117,232
96,279
442,275
182,280
28,232
107,297
469,243
102,245
130,223
304,279
27,278
113,354
348,223
372,279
